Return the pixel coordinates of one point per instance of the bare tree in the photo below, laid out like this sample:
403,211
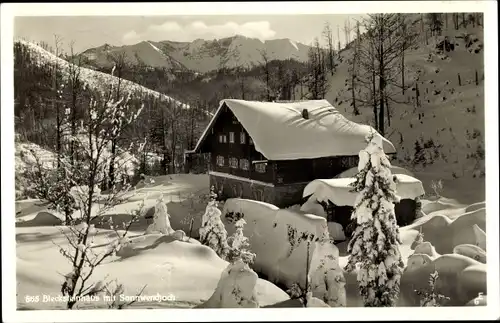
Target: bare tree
57,99
317,83
105,118
379,56
267,73
338,38
353,69
120,64
75,87
328,37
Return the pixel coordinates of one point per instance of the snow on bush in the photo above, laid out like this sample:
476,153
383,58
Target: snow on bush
239,245
212,230
373,249
327,277
236,288
431,298
161,219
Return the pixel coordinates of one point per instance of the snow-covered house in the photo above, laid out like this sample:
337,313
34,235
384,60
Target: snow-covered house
338,199
269,151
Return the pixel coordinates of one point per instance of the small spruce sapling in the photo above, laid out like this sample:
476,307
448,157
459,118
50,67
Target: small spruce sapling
239,245
431,298
373,249
212,230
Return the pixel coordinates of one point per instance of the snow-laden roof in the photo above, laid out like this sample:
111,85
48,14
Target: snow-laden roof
338,191
351,172
280,132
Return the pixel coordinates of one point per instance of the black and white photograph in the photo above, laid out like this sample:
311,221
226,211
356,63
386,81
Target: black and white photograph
265,157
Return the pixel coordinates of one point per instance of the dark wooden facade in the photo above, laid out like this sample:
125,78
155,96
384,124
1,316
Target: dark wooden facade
233,152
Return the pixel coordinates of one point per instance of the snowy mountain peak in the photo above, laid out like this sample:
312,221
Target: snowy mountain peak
202,55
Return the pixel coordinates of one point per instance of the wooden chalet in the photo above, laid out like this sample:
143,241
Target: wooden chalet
269,151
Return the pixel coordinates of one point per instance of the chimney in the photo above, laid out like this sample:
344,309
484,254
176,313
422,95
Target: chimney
305,114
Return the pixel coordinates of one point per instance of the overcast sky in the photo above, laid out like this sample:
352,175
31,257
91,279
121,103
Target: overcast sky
93,31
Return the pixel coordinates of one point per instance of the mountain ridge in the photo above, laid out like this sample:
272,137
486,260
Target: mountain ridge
199,55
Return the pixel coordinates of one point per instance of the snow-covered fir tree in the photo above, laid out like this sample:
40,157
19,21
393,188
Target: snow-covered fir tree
239,245
212,230
373,248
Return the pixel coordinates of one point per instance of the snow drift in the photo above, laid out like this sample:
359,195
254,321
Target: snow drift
165,265
282,240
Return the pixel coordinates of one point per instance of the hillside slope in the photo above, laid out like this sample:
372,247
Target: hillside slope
449,124
92,79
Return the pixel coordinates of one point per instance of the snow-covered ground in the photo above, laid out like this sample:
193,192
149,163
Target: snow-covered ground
174,267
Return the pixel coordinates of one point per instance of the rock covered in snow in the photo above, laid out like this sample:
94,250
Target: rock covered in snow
336,231
480,237
471,251
426,248
312,206
236,288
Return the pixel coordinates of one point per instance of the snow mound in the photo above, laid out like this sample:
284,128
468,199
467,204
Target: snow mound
312,206
475,206
338,190
327,277
480,236
460,278
471,251
336,231
426,248
41,219
279,238
236,288
429,207
458,231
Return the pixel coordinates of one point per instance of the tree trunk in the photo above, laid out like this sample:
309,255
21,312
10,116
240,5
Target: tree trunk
112,164
403,71
374,92
356,112
388,111
381,80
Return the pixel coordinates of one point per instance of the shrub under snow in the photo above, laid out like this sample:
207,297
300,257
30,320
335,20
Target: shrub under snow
161,219
236,288
239,245
374,247
212,230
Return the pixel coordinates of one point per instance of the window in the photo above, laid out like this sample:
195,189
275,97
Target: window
250,141
220,161
242,138
244,164
222,139
231,137
233,162
260,168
